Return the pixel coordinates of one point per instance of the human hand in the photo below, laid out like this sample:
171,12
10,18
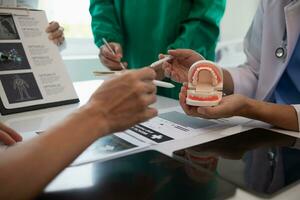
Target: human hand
124,101
232,105
110,60
8,136
177,69
56,33
160,74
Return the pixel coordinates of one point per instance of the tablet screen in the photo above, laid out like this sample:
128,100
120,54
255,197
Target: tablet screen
260,161
146,175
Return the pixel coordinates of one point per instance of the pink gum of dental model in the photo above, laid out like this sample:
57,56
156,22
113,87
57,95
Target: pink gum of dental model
205,84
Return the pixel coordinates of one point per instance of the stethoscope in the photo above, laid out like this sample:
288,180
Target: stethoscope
281,51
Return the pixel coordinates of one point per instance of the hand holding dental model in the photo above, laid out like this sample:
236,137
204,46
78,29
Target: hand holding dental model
205,78
210,79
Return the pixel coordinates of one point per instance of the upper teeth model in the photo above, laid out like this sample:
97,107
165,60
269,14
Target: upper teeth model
205,84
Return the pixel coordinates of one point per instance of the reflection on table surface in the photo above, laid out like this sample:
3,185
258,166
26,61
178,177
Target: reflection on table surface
257,160
147,175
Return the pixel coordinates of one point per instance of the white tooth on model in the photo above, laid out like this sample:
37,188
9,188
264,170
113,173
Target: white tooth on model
214,75
205,84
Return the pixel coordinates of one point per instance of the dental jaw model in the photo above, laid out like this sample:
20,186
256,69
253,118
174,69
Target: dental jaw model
205,84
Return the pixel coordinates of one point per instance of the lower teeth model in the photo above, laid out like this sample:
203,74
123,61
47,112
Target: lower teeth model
205,84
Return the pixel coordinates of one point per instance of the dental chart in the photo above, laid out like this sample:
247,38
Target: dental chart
32,73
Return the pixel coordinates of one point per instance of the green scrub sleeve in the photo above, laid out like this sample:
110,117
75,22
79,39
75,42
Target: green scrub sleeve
200,30
104,22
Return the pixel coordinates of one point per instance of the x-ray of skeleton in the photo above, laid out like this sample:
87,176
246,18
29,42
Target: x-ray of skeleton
21,86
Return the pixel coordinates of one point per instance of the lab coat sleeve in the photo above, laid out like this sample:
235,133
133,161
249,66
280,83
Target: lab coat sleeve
245,77
297,108
104,22
200,30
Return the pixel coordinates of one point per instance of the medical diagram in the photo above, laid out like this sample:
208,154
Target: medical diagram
22,87
10,56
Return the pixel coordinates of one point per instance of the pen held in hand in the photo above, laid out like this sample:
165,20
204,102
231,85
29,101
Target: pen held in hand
163,84
106,73
112,51
113,73
161,61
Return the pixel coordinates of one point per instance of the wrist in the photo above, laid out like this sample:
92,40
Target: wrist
95,119
249,108
227,82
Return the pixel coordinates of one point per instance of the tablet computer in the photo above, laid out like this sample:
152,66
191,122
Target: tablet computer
260,161
146,175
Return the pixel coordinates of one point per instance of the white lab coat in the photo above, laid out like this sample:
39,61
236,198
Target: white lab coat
260,74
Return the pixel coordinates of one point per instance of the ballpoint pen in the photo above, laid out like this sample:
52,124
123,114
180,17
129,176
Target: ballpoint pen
112,73
112,51
161,61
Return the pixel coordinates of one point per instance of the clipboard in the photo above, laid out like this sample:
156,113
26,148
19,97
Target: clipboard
32,72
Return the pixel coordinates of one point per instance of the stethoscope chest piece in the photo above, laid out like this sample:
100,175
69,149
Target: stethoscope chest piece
280,52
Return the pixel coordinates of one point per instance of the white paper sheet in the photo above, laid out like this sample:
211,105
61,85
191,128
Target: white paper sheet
173,124
170,126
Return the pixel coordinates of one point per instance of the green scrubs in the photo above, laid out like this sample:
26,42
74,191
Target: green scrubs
146,28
